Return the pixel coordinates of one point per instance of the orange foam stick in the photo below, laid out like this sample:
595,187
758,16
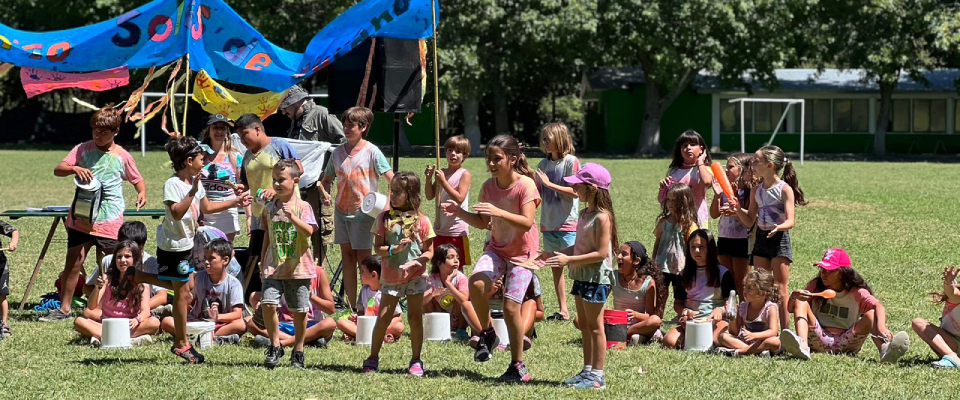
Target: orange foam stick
721,176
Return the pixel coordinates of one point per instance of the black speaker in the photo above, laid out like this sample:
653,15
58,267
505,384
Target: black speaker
395,84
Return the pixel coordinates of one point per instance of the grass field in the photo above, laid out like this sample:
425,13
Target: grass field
898,221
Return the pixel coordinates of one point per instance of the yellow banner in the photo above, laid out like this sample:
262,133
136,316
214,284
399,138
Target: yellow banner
216,99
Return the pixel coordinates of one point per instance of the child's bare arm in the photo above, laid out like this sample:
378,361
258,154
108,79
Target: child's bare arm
235,314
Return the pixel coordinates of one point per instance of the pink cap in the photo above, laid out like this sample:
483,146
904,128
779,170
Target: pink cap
591,174
834,259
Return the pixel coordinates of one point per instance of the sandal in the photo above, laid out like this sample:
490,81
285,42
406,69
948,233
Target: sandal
189,354
371,365
389,338
557,317
946,362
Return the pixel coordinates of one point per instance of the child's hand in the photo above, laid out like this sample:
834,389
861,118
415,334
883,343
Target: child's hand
773,231
449,280
133,324
665,183
268,194
748,336
243,199
802,295
634,314
84,174
542,177
441,177
717,314
558,260
402,246
488,209
214,313
450,208
428,173
141,200
101,281
702,159
497,284
949,274
12,246
287,210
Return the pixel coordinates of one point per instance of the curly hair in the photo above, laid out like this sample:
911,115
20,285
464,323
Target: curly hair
762,282
686,208
647,267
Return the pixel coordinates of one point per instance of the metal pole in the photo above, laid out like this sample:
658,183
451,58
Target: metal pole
186,97
143,128
743,141
436,86
803,133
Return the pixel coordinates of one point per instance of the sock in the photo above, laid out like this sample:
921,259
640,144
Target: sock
597,373
587,368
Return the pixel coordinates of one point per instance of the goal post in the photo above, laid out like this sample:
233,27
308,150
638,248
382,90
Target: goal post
786,110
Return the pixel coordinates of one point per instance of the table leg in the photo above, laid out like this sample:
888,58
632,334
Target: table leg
251,265
36,269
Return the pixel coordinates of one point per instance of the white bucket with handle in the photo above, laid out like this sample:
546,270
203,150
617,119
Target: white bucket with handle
500,326
200,333
365,326
698,335
115,334
373,204
436,327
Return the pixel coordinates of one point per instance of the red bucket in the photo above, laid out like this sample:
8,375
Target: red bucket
615,323
615,317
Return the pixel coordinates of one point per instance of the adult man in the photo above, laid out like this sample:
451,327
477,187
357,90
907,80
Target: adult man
313,122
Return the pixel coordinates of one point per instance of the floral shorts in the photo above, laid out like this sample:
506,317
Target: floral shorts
848,342
516,279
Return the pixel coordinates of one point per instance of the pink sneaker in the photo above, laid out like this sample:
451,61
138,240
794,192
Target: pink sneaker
416,368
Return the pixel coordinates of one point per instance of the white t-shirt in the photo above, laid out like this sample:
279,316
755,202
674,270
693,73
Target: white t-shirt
150,266
364,298
173,235
228,294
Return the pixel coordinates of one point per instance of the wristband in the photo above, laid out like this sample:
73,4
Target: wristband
390,250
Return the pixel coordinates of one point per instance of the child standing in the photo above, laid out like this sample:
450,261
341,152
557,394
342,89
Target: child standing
840,324
455,182
636,291
943,340
6,230
704,288
691,166
676,222
357,165
221,173
507,207
118,296
404,240
755,329
183,199
558,216
590,263
732,235
369,303
320,325
772,209
449,291
288,265
111,165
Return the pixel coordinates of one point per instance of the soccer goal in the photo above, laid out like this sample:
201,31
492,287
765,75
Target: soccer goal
786,111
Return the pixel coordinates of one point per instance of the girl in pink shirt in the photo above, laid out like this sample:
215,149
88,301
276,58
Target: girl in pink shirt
449,291
118,296
691,166
507,207
944,339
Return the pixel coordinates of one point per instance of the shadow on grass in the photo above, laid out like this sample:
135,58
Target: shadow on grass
100,362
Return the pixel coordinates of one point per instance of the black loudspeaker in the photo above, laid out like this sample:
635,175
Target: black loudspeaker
395,84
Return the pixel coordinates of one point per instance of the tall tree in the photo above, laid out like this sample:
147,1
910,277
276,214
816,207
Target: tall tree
673,41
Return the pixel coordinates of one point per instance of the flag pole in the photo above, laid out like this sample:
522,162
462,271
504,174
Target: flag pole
436,95
186,97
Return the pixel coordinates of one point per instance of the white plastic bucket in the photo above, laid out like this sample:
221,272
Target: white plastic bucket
115,334
200,333
500,326
373,204
698,336
365,329
436,327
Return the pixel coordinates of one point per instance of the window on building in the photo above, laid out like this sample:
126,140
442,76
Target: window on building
767,115
729,116
817,118
929,115
851,115
900,116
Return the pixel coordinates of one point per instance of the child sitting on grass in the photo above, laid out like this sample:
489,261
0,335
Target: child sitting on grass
754,330
943,339
137,232
118,296
368,303
449,291
217,296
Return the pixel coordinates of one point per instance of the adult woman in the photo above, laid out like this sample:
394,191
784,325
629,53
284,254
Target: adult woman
220,173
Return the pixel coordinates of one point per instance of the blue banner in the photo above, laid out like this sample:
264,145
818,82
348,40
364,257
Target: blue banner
218,40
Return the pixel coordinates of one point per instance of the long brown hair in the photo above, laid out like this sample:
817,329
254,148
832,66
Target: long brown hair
686,216
559,135
604,203
511,148
689,274
119,284
227,146
774,155
742,160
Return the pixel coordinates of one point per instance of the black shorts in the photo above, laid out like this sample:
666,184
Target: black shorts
777,246
733,247
4,279
76,238
169,265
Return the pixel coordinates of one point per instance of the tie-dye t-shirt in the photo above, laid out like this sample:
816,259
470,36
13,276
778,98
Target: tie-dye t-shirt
215,175
691,177
288,255
111,169
770,209
356,176
559,212
393,229
508,242
257,171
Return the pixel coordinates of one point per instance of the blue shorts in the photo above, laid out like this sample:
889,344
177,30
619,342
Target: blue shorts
287,327
556,240
591,292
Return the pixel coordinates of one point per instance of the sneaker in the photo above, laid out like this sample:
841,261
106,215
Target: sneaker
576,379
261,341
488,340
95,342
142,340
946,362
591,381
502,347
891,352
273,356
55,315
636,339
416,368
4,330
516,373
371,365
765,354
296,359
527,343
657,336
726,351
162,312
474,340
461,334
227,339
189,354
347,338
794,345
321,343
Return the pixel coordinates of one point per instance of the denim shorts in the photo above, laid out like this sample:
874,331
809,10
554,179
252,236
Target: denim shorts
777,246
295,291
591,292
414,287
556,240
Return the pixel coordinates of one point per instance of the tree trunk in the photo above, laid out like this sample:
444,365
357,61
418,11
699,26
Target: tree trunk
650,135
501,118
658,100
883,118
471,123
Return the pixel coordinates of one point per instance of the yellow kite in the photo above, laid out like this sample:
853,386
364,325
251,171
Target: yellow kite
216,99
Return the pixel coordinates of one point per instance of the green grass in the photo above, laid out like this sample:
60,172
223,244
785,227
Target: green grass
897,220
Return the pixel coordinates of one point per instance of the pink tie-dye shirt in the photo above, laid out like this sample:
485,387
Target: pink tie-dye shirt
111,169
508,242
